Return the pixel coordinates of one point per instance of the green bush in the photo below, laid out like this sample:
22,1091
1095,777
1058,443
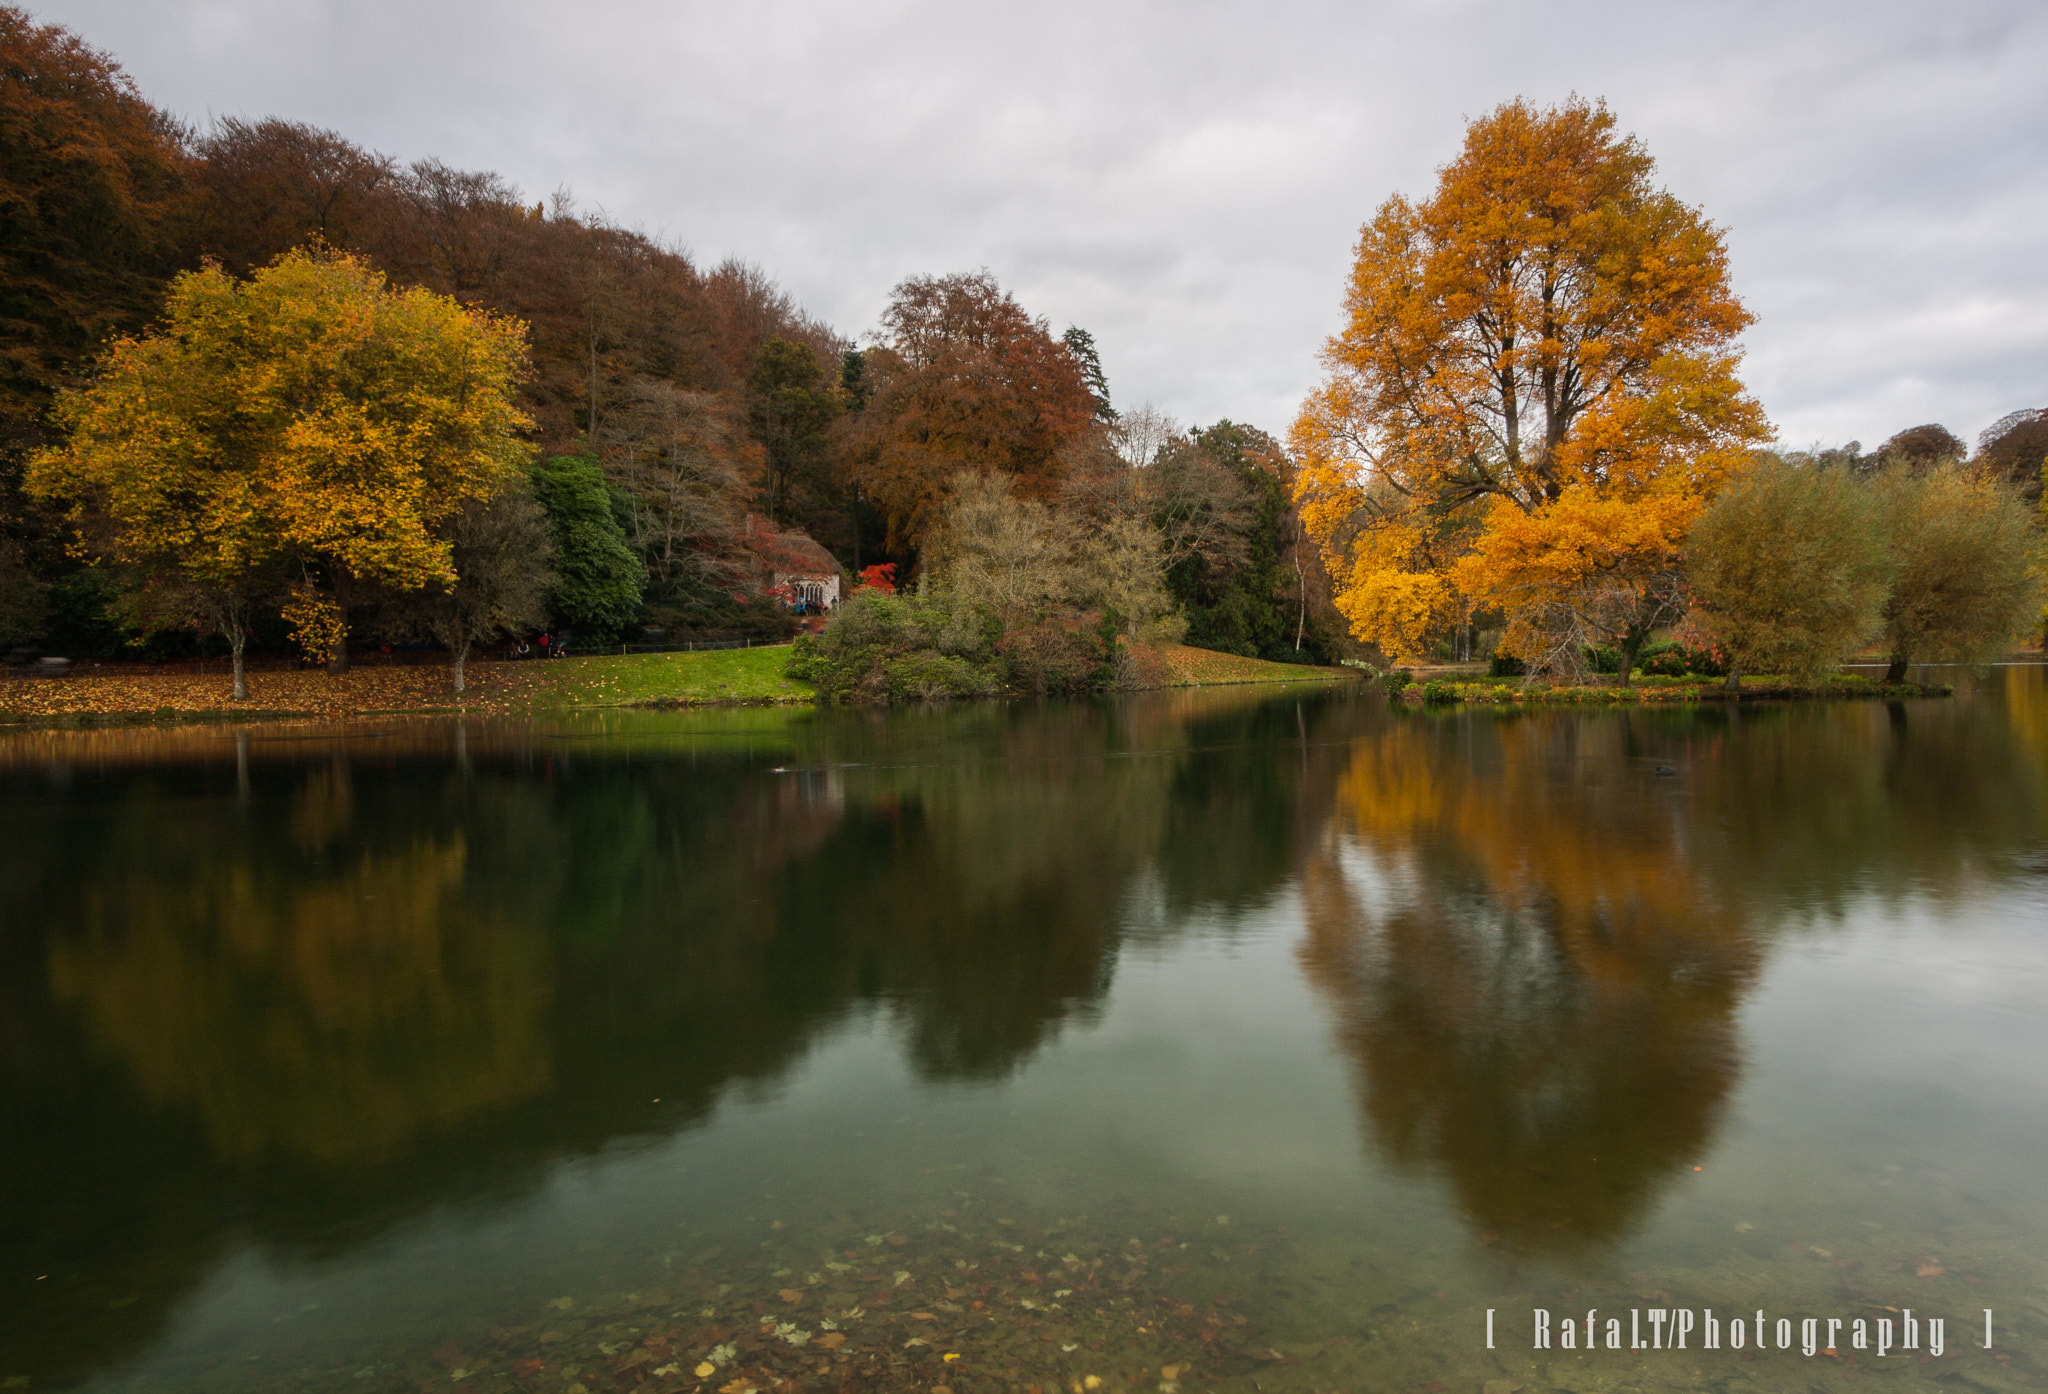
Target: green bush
1663,661
1705,662
880,648
1506,665
1397,683
1602,659
1440,691
926,676
1060,657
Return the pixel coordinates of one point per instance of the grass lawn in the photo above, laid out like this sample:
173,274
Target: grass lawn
1181,666
369,688
131,692
715,675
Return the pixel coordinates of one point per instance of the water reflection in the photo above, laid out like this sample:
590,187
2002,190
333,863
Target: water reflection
286,991
316,982
1534,932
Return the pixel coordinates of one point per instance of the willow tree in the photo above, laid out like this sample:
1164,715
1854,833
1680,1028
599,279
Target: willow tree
1967,555
293,436
1547,323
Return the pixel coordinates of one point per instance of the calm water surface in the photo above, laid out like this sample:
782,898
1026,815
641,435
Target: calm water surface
1256,1039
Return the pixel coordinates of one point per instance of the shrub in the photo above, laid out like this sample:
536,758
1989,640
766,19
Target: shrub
1397,683
881,647
1439,691
1506,665
1056,656
1602,659
926,676
1705,660
1667,661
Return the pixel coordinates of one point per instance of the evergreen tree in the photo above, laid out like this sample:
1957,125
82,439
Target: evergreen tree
598,578
1081,344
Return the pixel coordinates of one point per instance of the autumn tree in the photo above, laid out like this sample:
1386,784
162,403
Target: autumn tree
1787,568
272,185
682,461
94,198
1591,569
1029,560
2014,448
1966,558
1919,448
309,427
963,380
1547,322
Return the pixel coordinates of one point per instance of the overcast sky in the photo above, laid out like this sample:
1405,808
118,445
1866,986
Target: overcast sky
1186,180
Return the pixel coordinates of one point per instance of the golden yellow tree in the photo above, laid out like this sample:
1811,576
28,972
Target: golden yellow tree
295,435
1547,323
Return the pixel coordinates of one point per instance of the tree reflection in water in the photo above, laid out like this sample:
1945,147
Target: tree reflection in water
1533,943
288,990
300,986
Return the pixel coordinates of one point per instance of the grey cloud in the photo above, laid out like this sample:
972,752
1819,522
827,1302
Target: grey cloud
1186,180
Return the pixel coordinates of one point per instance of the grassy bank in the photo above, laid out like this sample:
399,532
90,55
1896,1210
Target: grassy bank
723,677
1177,665
125,693
1644,690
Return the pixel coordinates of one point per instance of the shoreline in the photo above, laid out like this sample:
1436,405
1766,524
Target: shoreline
1506,692
731,678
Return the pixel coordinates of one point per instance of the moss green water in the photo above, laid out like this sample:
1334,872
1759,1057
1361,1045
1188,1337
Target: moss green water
1241,1040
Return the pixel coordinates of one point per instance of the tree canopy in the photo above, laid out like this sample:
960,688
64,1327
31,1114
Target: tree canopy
964,380
94,186
1548,321
307,429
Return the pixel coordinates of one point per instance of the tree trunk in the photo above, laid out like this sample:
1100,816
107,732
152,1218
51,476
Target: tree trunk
1734,683
1628,659
461,656
236,641
1897,671
1301,591
341,585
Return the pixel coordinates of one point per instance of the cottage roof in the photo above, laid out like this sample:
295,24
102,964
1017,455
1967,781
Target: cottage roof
788,553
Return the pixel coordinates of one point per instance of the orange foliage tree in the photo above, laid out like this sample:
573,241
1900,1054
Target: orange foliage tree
1547,324
304,431
964,380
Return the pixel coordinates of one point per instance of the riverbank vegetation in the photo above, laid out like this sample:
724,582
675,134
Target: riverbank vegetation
640,422
738,677
1532,428
265,391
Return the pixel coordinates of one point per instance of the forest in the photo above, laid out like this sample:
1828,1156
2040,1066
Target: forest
651,407
265,391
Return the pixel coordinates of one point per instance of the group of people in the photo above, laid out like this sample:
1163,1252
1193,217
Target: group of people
550,645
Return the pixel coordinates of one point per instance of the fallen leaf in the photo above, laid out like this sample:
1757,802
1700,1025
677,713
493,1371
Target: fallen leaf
922,1316
1929,1270
831,1340
705,1369
789,1294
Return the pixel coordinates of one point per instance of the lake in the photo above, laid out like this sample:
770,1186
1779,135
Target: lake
1257,1038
